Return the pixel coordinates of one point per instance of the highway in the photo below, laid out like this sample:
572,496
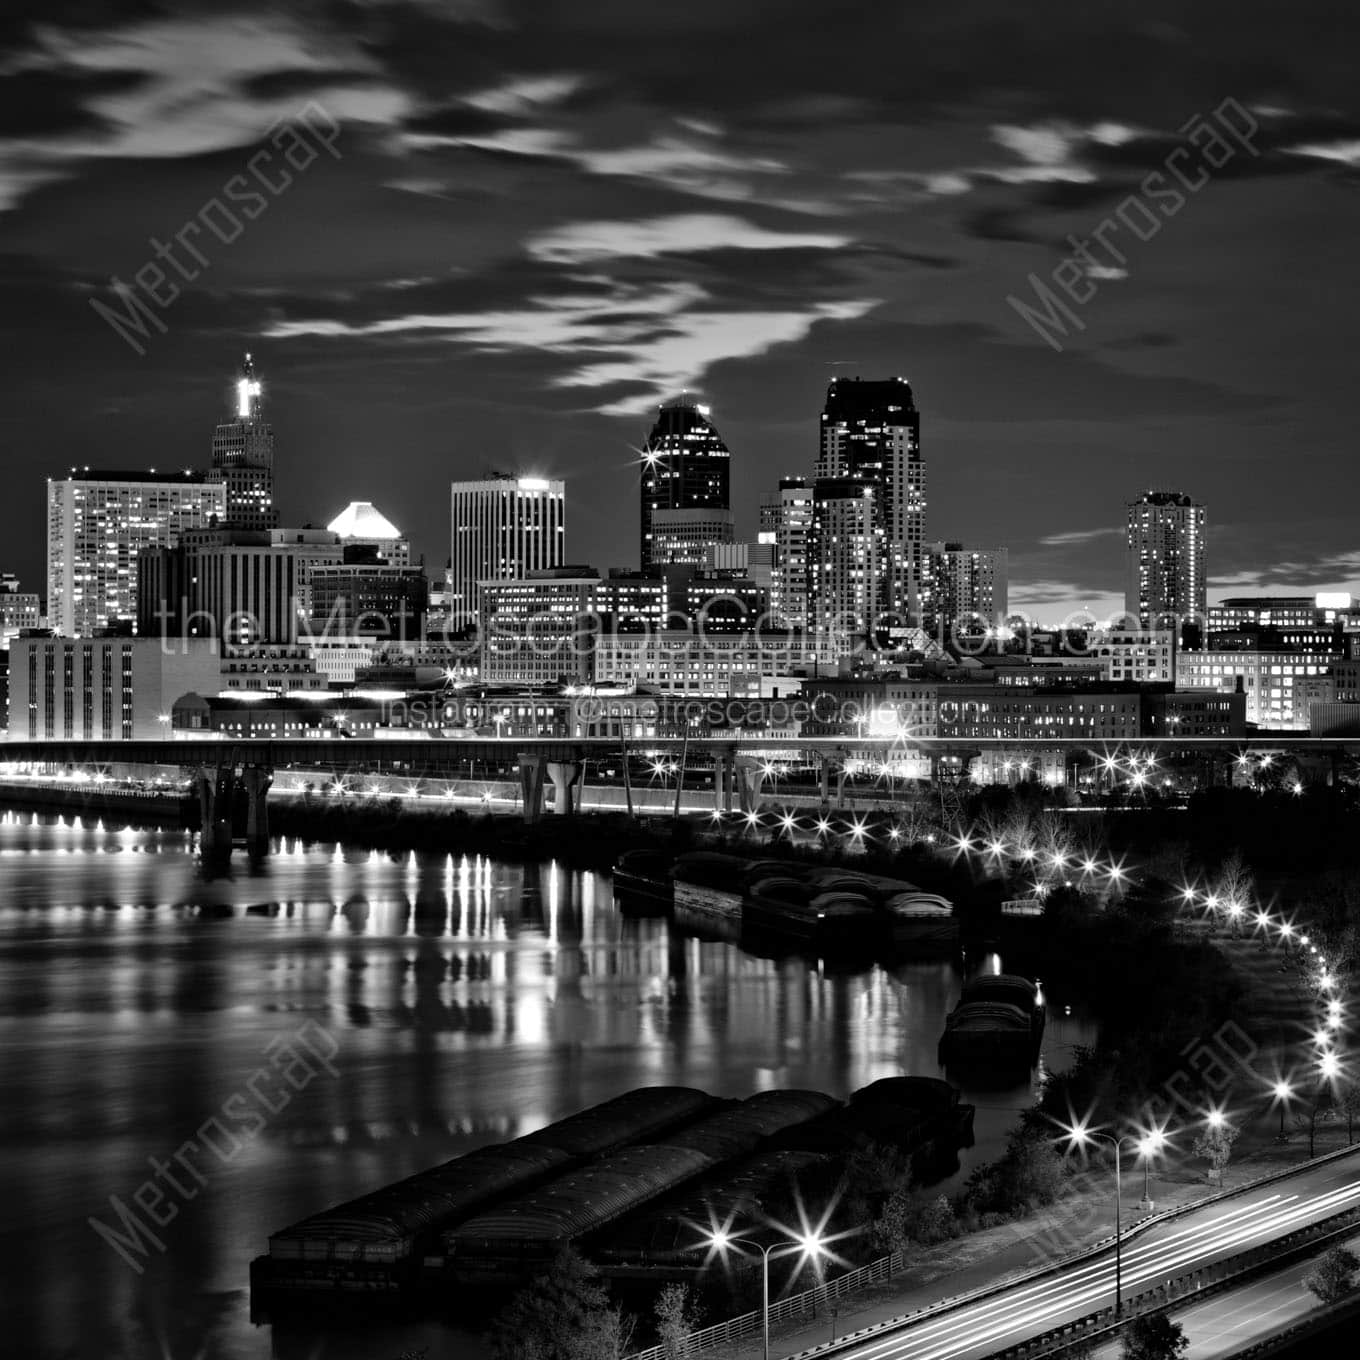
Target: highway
1229,1322
1176,1247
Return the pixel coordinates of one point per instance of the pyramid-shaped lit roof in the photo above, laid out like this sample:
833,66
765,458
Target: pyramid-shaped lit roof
362,519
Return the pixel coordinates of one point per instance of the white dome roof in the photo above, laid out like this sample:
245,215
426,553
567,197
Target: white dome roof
362,519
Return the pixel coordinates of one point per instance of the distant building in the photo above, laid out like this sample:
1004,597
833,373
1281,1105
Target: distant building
1164,574
538,629
887,706
682,538
845,556
686,466
299,718
1327,610
362,524
243,456
1279,685
1018,713
743,665
98,522
969,587
242,585
103,689
366,596
1193,713
502,527
1143,657
786,518
19,609
871,433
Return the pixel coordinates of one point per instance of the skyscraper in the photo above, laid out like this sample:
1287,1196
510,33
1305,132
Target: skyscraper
1164,583
98,522
243,456
502,527
871,431
685,466
786,527
844,552
968,586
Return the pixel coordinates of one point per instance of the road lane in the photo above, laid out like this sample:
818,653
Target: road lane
1166,1250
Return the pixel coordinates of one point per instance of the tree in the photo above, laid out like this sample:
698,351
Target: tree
890,1229
932,1222
1333,1276
1154,1337
1214,1144
677,1315
564,1314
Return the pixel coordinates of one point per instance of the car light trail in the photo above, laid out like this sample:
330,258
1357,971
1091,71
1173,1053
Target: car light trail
1004,1319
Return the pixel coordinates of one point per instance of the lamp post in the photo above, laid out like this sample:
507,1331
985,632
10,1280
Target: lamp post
1080,1136
810,1246
1283,1093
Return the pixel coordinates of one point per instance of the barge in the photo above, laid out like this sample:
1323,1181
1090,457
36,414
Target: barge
998,1025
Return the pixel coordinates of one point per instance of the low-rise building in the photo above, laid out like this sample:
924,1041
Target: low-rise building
1279,684
104,689
678,662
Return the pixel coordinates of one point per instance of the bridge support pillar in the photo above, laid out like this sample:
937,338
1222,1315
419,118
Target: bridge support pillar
216,794
566,778
724,768
750,776
257,780
531,772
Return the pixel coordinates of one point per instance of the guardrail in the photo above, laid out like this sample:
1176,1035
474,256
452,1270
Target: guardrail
795,1306
747,1323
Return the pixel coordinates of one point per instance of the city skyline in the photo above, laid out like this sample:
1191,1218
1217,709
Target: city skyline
521,238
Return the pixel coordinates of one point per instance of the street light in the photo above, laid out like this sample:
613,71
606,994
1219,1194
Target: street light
1078,1135
810,1244
1283,1093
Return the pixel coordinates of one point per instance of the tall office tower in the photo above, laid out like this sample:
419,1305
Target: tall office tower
1164,584
98,522
967,586
242,585
685,466
786,527
872,431
845,551
243,456
502,527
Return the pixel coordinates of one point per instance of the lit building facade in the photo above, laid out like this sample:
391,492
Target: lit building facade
845,556
502,527
1164,585
786,519
243,455
1019,713
1143,657
19,609
538,629
968,586
741,665
682,538
1279,685
871,432
685,466
97,525
366,598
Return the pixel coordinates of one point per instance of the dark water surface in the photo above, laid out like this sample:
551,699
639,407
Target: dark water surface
466,1001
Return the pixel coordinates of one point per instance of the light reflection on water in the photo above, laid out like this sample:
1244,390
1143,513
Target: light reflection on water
470,1001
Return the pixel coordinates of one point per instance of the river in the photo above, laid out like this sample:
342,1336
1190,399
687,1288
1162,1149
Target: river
465,1001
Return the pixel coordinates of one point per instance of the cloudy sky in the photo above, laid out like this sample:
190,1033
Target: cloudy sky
474,235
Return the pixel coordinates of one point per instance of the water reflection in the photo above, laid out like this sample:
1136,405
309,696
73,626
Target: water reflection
470,1002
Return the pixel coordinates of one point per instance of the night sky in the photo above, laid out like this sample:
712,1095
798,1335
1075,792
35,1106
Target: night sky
543,219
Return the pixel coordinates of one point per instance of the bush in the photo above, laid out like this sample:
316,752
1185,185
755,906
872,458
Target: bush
565,1314
1154,1337
1333,1276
